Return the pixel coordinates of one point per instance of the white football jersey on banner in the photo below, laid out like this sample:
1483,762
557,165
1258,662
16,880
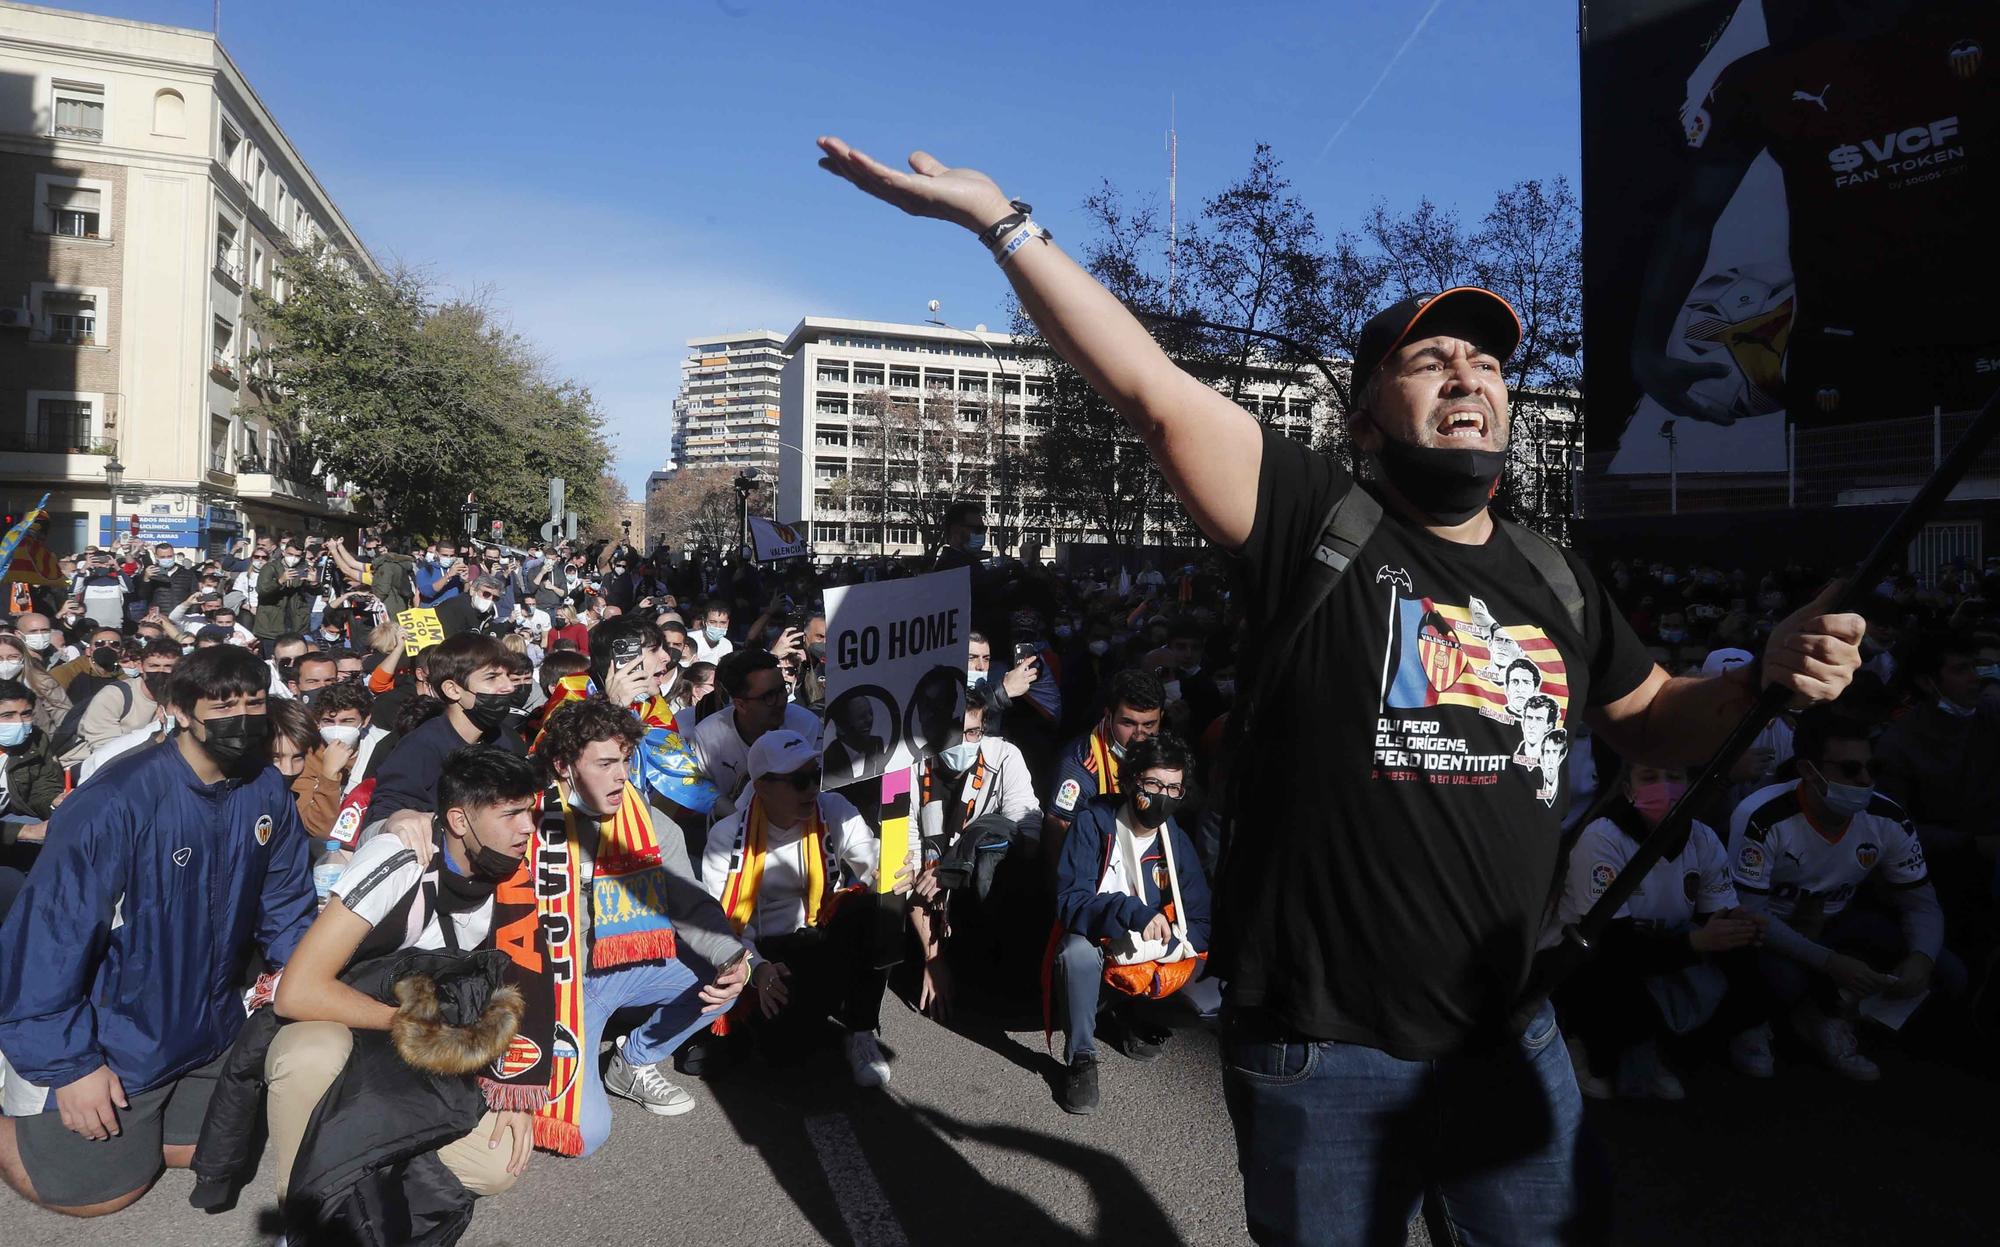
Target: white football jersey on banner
1671,894
1774,848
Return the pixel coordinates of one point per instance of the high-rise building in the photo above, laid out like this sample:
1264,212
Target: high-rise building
145,193
726,415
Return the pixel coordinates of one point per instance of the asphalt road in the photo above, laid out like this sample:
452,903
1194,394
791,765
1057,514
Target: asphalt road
967,1147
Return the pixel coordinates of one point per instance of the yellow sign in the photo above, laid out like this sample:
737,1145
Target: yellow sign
421,629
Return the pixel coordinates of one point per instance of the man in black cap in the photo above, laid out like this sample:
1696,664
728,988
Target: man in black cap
1380,905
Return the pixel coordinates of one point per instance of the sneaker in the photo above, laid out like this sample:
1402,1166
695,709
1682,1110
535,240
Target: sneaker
1079,1086
1837,1046
1139,1039
1593,1085
1642,1076
644,1085
1750,1052
864,1057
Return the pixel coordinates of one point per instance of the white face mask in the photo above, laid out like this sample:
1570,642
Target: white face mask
38,641
291,560
483,605
9,668
340,734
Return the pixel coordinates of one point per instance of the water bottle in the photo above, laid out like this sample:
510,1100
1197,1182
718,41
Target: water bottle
328,871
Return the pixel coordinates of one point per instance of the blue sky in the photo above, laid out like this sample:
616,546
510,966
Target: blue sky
620,176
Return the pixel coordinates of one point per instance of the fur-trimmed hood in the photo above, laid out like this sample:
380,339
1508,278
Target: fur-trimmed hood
433,1037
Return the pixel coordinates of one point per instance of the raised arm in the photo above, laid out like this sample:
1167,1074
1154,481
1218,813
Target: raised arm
1209,448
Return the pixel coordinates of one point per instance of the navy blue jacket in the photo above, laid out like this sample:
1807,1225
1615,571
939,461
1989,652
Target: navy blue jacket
1081,908
408,777
128,944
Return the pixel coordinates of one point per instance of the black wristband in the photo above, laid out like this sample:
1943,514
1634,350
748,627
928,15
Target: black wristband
993,233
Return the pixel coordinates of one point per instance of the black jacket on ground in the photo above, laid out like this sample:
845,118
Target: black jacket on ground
367,1172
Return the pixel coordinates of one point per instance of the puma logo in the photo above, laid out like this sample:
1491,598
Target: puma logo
1807,97
182,855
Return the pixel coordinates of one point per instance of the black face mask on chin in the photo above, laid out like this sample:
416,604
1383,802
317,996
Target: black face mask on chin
1449,485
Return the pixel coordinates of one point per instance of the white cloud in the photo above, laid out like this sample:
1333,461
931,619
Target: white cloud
609,298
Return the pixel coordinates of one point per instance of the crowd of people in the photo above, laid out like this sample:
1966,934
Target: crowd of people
652,723
434,815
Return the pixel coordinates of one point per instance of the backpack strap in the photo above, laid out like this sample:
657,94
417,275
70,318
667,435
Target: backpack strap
1349,523
1553,568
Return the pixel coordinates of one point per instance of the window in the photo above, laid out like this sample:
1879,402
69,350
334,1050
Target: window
902,535
225,248
252,459
52,424
225,346
69,316
829,532
74,211
284,198
257,183
232,145
218,443
79,111
257,271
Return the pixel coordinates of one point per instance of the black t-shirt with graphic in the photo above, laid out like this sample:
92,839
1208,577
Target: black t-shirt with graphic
1402,810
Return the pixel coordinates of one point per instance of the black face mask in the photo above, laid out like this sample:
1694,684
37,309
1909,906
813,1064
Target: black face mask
1153,812
156,685
518,699
235,742
490,710
488,865
105,657
1451,486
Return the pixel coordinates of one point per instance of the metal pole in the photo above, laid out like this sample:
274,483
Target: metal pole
1937,437
1791,466
1673,475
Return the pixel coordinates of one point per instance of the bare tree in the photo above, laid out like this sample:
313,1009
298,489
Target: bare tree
696,507
1425,250
920,456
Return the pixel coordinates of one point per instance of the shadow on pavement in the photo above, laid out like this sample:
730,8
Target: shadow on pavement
907,1160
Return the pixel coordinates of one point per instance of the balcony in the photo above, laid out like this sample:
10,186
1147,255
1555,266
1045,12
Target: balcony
223,369
68,337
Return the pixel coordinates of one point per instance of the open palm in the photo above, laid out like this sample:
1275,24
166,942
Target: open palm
931,189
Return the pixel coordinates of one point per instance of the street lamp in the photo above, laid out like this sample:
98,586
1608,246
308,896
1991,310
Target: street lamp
746,483
998,463
114,476
469,511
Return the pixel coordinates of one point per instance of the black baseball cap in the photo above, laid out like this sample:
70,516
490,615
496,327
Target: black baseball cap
1470,312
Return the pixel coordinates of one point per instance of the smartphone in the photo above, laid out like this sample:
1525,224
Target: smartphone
626,651
1025,649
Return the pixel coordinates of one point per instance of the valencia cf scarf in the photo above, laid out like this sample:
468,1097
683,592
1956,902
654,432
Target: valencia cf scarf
746,866
628,902
1102,762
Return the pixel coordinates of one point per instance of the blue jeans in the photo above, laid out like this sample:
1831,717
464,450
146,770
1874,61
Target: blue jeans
1338,1143
668,984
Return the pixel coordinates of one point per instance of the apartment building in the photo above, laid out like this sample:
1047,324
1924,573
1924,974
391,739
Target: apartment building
726,414
145,193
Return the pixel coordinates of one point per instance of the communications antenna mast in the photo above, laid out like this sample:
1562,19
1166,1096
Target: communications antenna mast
1173,205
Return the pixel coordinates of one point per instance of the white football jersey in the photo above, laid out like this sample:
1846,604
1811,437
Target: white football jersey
1775,849
1673,891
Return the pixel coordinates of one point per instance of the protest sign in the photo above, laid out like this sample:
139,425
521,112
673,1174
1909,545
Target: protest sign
421,629
772,541
895,673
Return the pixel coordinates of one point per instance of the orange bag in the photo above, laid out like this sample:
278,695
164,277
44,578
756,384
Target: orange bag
1158,976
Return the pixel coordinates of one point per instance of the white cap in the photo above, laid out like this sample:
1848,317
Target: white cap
780,753
1719,661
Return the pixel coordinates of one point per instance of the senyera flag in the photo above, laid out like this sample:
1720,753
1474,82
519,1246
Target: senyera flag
24,558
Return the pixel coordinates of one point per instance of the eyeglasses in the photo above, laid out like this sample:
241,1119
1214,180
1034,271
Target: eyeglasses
801,780
1154,788
973,735
776,697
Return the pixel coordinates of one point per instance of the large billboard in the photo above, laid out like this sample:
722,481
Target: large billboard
1785,221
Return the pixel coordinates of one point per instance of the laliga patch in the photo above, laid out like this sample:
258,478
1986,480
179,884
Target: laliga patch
1752,857
347,827
264,829
1066,795
1601,876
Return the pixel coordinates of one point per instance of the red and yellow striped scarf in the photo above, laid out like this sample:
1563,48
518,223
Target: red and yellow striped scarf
1102,762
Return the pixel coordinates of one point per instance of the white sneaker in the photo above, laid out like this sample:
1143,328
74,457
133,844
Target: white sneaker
644,1085
1834,1038
1642,1075
1590,1084
1750,1052
864,1057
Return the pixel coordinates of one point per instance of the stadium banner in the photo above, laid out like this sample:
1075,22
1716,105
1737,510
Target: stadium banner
1782,217
772,541
895,673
